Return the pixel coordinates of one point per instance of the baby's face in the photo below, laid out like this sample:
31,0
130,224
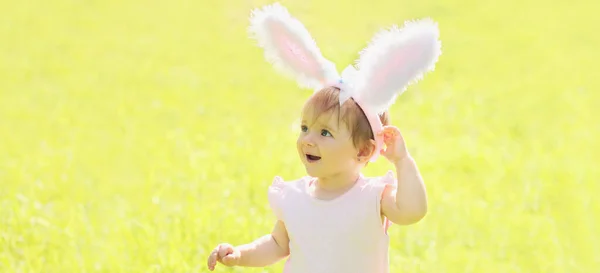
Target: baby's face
325,146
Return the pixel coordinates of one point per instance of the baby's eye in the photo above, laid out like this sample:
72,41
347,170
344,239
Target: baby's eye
325,133
304,128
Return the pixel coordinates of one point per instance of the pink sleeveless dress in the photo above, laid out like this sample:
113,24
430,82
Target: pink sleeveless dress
343,235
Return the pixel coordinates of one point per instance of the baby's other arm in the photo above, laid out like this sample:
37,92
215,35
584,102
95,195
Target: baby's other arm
267,249
263,251
406,203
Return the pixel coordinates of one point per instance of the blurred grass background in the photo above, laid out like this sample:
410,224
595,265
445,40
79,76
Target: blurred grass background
137,135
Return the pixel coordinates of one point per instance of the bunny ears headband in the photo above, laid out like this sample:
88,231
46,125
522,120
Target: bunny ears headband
394,59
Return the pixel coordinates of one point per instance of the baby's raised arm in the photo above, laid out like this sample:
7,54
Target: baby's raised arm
263,251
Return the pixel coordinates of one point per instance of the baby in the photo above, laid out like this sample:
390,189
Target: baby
335,219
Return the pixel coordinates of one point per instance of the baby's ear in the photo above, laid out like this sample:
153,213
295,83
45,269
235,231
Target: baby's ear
366,150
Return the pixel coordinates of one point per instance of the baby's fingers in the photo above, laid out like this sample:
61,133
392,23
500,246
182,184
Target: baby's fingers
212,259
391,131
224,250
217,255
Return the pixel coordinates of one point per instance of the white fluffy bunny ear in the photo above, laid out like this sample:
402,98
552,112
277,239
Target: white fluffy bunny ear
289,47
394,59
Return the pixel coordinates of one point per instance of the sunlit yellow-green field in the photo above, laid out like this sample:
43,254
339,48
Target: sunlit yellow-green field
137,135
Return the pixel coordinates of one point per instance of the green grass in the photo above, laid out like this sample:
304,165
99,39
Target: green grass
137,135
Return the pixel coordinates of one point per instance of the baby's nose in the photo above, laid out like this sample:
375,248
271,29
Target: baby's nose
308,142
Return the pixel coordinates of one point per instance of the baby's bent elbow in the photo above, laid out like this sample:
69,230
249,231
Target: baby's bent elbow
282,249
410,217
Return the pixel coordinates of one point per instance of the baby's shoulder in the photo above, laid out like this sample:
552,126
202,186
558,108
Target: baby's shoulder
379,182
281,193
281,185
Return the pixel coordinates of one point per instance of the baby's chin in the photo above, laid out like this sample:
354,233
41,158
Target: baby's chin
312,171
319,172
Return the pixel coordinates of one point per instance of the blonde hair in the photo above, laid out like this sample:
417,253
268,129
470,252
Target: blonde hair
326,100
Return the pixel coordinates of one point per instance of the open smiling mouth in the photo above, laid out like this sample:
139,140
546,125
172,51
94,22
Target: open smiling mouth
312,158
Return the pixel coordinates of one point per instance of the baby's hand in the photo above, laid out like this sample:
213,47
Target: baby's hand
395,147
225,254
